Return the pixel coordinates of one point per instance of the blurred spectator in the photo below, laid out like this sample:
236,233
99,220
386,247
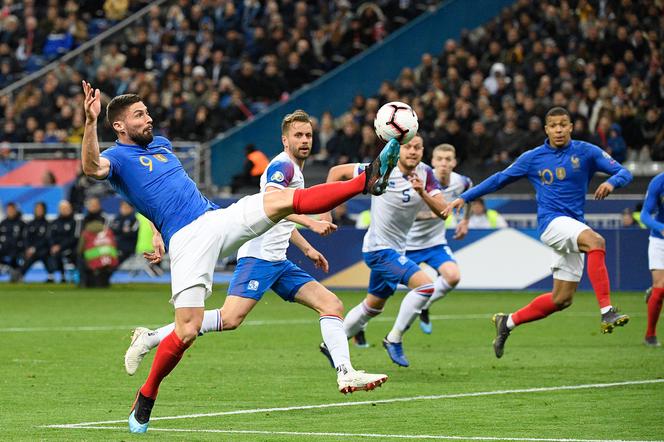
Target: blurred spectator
36,242
98,255
125,228
481,218
94,212
62,239
628,220
48,178
343,146
12,239
255,163
340,216
116,9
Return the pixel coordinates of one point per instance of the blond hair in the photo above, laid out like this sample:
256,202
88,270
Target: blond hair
299,115
445,148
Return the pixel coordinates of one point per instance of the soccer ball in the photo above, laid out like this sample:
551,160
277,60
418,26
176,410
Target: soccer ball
396,120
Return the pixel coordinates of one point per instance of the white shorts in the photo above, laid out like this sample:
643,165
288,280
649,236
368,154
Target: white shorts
656,253
562,236
195,249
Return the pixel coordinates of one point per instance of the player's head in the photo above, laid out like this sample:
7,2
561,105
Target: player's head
411,153
129,118
297,134
443,159
558,126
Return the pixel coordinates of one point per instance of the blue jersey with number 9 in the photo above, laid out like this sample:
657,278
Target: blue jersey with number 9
153,180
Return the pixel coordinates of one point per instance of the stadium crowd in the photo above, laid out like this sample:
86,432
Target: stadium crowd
487,93
202,66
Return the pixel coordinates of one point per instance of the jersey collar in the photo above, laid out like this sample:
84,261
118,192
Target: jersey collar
557,149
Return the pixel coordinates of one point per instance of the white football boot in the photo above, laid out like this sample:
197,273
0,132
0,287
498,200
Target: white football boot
354,380
137,350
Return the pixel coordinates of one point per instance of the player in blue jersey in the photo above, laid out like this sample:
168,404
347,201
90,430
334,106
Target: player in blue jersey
652,215
560,171
143,169
262,265
412,188
426,241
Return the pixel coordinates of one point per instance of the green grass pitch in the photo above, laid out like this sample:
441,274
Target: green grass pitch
62,349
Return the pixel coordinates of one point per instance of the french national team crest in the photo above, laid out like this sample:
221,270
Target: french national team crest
576,162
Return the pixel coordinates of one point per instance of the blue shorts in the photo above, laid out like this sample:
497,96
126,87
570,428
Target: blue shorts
434,256
253,277
388,269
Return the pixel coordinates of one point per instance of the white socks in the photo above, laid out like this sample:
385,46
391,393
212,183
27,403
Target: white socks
358,317
334,336
211,322
510,322
441,288
411,306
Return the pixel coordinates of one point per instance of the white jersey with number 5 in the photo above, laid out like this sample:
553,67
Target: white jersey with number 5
430,232
282,172
393,213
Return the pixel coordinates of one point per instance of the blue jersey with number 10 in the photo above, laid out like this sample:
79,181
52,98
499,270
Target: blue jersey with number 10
560,177
153,180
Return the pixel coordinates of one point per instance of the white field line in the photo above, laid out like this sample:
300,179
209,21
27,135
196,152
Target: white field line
381,401
354,435
251,323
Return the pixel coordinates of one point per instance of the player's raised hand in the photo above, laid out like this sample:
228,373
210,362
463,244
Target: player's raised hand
323,228
318,259
416,182
92,102
603,191
453,207
461,229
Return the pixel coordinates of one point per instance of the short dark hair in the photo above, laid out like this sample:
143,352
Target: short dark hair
557,112
118,105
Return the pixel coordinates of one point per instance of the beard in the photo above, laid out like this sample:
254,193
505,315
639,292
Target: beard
141,138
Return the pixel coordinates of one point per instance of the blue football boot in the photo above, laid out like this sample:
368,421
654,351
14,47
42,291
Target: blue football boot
395,351
139,418
378,172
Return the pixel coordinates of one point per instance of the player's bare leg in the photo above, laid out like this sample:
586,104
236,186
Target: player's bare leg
594,246
449,277
335,344
540,307
422,288
654,308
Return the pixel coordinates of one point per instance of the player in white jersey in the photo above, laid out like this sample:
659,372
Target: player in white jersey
262,264
411,187
426,239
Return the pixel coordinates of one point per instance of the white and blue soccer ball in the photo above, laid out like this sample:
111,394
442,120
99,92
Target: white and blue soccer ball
396,120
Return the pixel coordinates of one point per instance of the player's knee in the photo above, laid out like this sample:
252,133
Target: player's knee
333,306
597,241
188,333
562,300
453,279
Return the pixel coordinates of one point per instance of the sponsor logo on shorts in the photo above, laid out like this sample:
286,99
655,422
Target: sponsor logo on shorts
277,176
253,285
403,260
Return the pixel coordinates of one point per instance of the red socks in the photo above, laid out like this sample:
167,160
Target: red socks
599,276
168,355
654,308
539,308
325,197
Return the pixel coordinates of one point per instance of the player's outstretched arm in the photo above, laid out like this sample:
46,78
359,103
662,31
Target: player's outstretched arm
158,247
650,204
92,164
620,177
453,207
435,202
301,243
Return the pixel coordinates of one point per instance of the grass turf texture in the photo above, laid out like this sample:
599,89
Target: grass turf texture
51,373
